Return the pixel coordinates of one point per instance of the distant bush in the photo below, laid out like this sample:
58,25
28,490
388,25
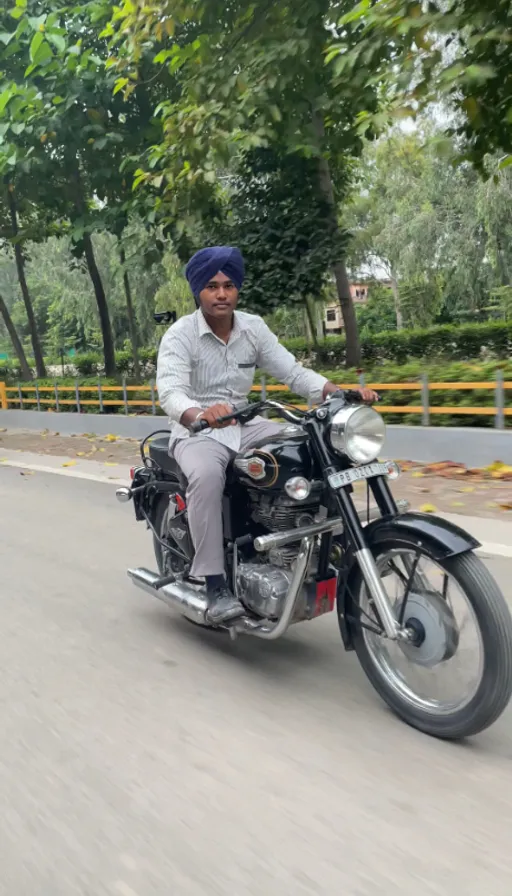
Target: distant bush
456,343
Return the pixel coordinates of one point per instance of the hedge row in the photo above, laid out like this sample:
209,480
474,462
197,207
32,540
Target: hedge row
454,343
406,373
441,372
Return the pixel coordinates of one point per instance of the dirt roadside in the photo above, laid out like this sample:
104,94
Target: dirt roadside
445,487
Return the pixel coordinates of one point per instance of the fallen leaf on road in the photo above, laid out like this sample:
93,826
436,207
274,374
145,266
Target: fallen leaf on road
457,504
101,449
4,429
111,438
70,463
26,472
3,460
417,475
506,505
467,489
80,453
428,508
107,464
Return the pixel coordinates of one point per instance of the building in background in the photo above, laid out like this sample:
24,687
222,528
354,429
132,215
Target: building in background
333,321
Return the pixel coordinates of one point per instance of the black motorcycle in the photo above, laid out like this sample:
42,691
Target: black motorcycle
428,622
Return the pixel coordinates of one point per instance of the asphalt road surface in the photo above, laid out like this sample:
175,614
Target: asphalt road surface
139,755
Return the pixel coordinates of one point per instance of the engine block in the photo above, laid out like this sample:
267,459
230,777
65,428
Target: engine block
277,514
263,588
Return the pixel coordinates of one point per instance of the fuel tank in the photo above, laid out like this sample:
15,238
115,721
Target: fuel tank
269,464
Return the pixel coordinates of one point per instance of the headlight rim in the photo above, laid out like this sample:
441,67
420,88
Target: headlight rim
346,414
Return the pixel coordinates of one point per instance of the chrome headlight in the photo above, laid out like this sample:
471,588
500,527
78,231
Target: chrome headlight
357,432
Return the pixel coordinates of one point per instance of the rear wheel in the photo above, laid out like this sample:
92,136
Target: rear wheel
167,562
453,678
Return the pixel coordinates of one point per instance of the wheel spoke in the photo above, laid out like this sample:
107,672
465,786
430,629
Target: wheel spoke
441,668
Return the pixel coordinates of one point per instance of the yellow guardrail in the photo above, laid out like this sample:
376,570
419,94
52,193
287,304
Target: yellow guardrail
37,395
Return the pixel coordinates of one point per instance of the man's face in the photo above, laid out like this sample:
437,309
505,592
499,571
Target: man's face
219,298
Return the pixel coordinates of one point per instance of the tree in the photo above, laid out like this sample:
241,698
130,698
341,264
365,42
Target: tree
20,222
452,51
26,372
249,76
273,212
67,129
420,223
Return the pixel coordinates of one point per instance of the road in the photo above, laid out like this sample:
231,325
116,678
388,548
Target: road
140,756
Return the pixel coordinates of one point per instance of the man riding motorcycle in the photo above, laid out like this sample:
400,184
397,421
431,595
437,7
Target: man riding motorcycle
206,366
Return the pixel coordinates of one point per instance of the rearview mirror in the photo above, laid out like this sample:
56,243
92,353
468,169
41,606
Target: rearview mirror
164,317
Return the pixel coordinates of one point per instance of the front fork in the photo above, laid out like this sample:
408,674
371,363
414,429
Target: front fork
355,532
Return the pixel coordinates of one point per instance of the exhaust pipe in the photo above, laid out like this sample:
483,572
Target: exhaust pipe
190,600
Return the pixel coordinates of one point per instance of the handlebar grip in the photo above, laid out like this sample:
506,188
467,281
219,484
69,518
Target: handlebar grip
199,425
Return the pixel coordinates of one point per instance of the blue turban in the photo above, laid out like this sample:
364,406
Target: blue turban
203,266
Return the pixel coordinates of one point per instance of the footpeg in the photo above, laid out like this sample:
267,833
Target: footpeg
244,625
165,580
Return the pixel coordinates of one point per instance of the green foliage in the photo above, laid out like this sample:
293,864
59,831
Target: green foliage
440,235
447,343
418,54
276,215
454,342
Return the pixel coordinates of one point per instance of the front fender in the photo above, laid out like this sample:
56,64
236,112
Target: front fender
442,539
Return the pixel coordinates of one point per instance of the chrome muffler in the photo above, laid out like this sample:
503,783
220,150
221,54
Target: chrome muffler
189,600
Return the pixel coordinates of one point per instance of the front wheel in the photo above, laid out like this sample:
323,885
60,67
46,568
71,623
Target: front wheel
453,678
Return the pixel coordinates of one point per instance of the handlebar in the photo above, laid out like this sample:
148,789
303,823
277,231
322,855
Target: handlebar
350,396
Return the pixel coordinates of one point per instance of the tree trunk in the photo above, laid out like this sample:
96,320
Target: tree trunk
20,268
398,307
131,315
94,274
101,301
353,346
26,372
310,319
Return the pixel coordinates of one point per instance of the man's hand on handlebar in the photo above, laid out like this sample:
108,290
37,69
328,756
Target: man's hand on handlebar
212,416
366,395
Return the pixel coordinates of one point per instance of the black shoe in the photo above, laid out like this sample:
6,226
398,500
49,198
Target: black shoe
223,607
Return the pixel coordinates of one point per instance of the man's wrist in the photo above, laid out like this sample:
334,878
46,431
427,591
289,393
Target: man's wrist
190,415
329,388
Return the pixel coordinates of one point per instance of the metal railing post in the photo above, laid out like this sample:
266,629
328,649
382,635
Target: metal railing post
3,397
499,420
38,397
425,401
20,396
125,396
77,395
153,402
57,404
100,396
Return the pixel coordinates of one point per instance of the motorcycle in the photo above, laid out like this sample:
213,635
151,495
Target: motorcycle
297,548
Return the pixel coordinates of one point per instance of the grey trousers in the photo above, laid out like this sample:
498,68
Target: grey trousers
204,462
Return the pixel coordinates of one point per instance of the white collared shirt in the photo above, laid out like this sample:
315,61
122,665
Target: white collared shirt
197,369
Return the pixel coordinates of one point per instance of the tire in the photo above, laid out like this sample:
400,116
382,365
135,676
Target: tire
159,524
157,521
493,619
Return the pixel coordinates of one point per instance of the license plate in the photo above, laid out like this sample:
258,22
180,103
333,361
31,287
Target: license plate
345,477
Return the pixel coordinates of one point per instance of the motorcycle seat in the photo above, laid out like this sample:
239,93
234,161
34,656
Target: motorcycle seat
159,453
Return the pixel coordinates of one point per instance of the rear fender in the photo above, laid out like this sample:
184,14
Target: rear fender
442,539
